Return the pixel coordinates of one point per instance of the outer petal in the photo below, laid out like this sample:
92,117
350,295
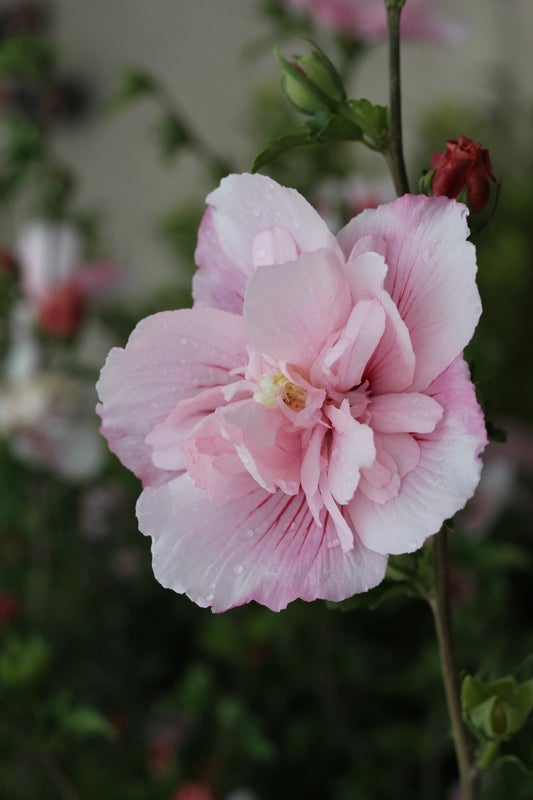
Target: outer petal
263,547
291,310
170,356
242,207
431,275
446,476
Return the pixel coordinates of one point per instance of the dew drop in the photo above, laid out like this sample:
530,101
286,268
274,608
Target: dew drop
296,224
248,533
238,569
208,598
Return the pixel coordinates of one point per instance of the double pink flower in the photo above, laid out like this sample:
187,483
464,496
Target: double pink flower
312,413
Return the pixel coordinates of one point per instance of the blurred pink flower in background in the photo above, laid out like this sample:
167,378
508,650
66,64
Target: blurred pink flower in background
338,200
365,20
55,282
46,416
312,413
194,791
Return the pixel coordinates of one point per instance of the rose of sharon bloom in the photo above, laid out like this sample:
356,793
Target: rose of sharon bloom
312,413
55,282
463,165
366,20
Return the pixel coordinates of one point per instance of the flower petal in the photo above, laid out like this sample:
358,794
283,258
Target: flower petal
292,309
352,448
263,547
445,478
392,363
407,412
431,275
269,452
344,363
239,209
169,357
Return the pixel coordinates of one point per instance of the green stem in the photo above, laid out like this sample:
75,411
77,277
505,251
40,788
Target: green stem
487,756
439,601
394,152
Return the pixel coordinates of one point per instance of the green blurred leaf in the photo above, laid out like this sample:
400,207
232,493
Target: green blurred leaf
23,662
84,722
134,84
26,58
171,134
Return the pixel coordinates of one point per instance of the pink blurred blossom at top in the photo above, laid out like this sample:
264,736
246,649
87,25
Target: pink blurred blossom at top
55,281
365,20
312,413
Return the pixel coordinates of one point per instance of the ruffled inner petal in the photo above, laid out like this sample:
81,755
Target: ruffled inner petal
292,309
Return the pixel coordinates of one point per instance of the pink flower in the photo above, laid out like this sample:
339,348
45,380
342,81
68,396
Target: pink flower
56,283
194,791
312,413
366,19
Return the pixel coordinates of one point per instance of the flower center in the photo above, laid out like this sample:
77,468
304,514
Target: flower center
277,385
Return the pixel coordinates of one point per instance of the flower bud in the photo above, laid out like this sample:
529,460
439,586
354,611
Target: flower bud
62,309
463,171
311,82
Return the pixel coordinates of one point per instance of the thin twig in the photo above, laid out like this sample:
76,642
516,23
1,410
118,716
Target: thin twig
439,601
394,152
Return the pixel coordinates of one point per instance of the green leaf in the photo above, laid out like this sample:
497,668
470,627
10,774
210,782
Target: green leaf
134,83
334,128
23,662
28,58
172,135
84,722
276,147
373,121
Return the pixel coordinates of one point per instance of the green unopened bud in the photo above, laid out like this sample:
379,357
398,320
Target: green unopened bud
499,719
311,82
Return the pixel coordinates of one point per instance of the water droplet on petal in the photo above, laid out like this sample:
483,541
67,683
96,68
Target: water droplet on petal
296,224
238,569
208,598
248,533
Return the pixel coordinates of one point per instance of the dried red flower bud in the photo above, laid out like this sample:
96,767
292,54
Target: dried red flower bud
61,311
464,165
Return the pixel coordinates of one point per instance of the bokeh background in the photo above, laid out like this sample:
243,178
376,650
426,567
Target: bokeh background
110,686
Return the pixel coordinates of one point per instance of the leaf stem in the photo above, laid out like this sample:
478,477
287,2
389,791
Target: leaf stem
394,151
439,601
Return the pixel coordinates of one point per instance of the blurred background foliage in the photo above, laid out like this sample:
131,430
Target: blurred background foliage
111,686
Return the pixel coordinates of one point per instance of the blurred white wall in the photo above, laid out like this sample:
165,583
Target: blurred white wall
196,48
